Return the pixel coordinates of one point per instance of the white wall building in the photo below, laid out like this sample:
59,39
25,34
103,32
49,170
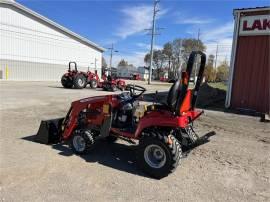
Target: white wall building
33,47
144,73
126,71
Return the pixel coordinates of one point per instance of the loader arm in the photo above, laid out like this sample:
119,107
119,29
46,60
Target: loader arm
79,110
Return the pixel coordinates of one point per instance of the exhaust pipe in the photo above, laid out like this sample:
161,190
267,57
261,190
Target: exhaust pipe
49,131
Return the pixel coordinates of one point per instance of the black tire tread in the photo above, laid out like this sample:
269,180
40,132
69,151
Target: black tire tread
89,139
76,79
66,83
174,148
92,83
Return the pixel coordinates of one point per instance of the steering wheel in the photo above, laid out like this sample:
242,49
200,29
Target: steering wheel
133,88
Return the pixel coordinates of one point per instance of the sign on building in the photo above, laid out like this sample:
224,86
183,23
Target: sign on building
254,25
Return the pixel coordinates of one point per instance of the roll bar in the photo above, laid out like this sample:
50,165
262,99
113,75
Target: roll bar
186,78
75,66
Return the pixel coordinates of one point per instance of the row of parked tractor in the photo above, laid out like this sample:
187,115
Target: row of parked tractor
79,79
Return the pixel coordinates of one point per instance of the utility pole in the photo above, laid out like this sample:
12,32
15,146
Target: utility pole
216,57
153,32
196,65
180,58
111,55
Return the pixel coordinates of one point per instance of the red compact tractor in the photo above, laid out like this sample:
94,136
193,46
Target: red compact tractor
112,84
161,129
78,79
135,77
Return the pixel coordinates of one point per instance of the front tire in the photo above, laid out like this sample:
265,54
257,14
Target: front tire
82,141
79,82
93,83
158,154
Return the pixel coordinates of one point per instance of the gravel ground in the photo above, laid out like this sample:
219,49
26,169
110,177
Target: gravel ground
233,166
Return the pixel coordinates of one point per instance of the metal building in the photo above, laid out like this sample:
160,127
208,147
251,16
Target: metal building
249,83
35,48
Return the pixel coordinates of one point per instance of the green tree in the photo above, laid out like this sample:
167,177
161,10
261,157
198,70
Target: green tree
181,49
168,54
209,72
222,72
159,60
122,63
174,55
210,60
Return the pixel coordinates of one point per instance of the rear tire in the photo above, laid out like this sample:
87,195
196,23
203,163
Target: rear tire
93,83
82,141
158,154
66,82
79,81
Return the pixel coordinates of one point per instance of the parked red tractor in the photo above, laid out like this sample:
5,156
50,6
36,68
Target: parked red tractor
78,79
162,129
112,84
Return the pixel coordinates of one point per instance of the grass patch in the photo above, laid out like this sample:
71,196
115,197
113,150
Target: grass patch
219,85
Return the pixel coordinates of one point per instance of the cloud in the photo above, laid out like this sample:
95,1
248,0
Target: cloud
223,36
194,21
146,46
136,58
184,18
213,35
218,33
136,19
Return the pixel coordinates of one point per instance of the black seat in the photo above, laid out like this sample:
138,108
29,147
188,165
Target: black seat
174,94
109,78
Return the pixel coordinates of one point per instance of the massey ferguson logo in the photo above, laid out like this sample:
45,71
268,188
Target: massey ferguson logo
255,25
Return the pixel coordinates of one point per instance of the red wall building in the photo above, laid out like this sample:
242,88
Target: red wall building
249,83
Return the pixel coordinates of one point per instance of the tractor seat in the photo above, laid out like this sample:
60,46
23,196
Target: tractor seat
172,98
109,78
174,94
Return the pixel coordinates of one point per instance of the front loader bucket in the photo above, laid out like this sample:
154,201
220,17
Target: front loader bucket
49,131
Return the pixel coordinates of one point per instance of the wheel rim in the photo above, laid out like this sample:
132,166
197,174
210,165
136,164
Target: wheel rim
94,84
79,143
80,82
154,156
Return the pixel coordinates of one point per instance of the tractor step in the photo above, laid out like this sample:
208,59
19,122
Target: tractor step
48,132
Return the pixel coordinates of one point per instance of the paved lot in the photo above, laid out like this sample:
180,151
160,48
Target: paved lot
233,166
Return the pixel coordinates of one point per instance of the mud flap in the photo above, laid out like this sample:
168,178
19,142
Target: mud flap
49,131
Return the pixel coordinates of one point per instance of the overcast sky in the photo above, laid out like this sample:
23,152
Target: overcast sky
124,22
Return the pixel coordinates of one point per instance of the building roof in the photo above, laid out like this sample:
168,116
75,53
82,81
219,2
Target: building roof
263,8
54,24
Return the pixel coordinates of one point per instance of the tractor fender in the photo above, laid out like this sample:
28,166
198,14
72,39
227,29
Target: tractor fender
157,119
164,118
